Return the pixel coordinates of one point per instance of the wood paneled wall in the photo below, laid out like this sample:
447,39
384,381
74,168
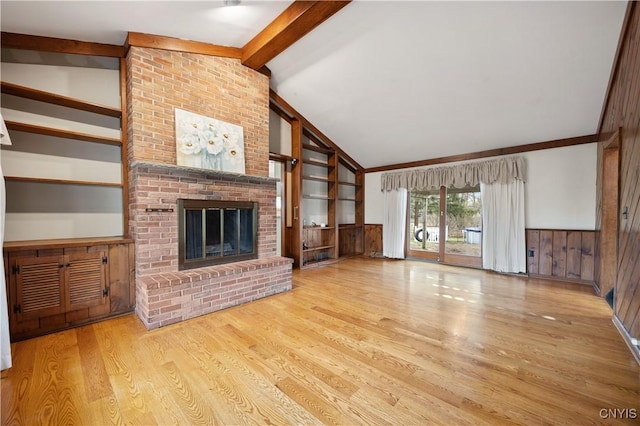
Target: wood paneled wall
622,111
350,240
561,254
373,240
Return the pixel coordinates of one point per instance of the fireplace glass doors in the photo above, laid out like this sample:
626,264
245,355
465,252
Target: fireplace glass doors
215,232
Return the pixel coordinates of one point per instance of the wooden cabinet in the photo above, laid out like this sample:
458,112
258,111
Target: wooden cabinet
38,289
57,284
85,282
319,244
351,239
50,285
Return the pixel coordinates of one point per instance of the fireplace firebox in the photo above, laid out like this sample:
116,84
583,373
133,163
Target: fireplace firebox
215,232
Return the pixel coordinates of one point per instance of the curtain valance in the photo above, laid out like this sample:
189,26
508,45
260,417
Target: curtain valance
502,170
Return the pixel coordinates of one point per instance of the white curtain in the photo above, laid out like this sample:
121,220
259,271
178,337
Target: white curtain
503,228
394,224
5,342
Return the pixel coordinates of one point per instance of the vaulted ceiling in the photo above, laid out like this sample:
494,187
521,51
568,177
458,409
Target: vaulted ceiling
390,81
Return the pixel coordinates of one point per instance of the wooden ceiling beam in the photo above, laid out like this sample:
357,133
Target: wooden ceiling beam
179,45
517,149
622,40
290,26
59,45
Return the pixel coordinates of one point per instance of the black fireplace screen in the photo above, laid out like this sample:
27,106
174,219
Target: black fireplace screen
214,232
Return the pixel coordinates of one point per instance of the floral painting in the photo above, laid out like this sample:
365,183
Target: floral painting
208,143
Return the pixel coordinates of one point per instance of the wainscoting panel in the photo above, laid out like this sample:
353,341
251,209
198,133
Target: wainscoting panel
373,240
561,254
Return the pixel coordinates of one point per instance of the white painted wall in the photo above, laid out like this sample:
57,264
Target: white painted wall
279,134
560,189
46,210
373,198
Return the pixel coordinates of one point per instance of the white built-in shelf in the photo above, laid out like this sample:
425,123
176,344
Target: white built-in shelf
317,197
67,134
54,98
348,184
316,163
317,149
317,178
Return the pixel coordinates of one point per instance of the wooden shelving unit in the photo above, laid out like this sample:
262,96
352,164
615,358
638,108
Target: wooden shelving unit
74,279
319,177
351,201
321,192
79,276
71,113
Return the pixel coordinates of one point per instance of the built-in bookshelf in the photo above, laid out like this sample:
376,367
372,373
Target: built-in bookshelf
64,170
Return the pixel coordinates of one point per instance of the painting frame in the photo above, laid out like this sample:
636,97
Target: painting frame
208,143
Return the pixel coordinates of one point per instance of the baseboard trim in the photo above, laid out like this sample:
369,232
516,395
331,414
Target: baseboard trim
627,338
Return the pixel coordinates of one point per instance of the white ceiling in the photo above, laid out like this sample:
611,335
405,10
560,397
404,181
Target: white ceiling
110,21
391,81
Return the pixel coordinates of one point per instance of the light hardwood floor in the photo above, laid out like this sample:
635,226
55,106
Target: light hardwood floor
364,341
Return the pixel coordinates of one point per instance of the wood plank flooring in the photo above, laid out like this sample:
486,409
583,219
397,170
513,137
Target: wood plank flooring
362,341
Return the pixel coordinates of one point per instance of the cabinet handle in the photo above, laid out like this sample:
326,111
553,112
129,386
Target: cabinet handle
295,213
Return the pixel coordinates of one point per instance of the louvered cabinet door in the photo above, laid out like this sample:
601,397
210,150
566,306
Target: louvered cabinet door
86,280
39,287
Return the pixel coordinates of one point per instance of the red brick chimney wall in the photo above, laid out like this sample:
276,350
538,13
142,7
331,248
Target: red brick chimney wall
222,88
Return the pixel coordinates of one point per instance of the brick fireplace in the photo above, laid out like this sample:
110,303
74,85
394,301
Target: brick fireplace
159,81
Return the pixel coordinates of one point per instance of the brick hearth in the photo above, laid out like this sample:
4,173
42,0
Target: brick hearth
166,298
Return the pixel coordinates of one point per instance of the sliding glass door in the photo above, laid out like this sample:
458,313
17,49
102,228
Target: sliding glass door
446,225
424,224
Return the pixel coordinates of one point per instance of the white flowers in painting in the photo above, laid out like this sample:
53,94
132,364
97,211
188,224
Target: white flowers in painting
208,143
